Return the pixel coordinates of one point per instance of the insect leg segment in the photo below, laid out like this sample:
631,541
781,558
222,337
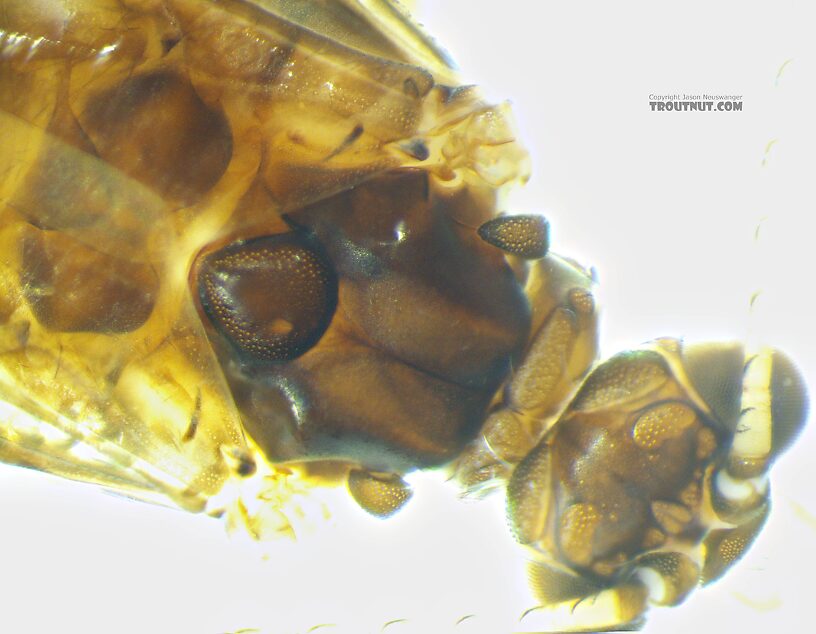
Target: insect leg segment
575,604
561,348
563,342
382,495
526,236
669,576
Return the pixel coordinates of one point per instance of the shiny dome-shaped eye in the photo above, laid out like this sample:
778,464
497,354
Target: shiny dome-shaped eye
789,403
272,298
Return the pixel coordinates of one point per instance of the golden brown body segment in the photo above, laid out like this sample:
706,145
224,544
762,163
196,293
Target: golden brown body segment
263,242
140,137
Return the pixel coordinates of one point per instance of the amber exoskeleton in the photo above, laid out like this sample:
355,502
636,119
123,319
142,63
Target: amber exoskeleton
265,237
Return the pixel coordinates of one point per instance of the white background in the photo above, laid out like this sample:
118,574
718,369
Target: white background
664,205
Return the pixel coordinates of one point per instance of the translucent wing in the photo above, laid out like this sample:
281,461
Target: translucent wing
136,133
376,27
101,356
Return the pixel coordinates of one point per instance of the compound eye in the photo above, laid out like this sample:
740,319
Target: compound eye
272,298
789,403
